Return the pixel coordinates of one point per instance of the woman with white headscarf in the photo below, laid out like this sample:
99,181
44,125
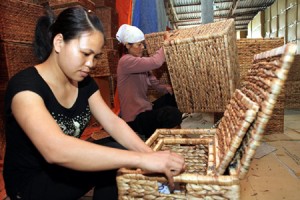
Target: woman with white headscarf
133,79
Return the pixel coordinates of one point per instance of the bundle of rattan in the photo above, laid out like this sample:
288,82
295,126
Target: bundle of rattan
233,145
203,66
263,85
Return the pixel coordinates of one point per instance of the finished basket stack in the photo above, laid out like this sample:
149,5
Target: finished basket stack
217,158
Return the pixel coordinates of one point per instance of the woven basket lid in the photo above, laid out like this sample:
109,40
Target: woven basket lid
263,85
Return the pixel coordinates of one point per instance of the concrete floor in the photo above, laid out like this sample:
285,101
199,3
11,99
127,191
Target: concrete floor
275,171
275,174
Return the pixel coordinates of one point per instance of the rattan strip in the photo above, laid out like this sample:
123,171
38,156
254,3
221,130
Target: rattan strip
179,133
238,116
265,66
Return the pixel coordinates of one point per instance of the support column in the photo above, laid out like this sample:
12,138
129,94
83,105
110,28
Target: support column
207,11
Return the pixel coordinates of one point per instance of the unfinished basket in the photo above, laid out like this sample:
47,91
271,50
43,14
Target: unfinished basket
232,144
199,150
203,66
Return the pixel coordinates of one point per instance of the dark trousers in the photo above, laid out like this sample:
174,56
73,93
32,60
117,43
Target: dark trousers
59,183
164,114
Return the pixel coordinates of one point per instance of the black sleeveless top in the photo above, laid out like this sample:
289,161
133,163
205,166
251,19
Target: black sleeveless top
22,160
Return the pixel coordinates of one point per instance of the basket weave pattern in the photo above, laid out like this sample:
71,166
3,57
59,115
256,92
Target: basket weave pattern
203,66
201,154
18,19
14,58
235,139
107,64
238,116
55,4
292,92
263,84
247,48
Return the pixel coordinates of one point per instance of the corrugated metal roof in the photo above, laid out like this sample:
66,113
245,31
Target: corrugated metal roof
187,13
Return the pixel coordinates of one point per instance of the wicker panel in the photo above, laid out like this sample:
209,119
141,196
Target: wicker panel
15,57
109,19
292,89
18,19
292,99
106,64
203,66
154,41
111,43
102,3
263,84
61,4
237,118
247,48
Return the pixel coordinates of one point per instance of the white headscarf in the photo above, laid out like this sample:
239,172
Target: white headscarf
129,34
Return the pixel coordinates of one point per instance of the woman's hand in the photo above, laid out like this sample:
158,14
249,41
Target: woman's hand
169,163
168,35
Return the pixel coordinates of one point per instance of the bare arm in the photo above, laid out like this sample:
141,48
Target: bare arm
58,148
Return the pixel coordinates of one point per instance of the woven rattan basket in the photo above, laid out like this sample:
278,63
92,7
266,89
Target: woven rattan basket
217,158
203,66
199,150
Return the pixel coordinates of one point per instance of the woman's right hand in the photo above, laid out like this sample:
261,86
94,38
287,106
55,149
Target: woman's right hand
169,163
168,35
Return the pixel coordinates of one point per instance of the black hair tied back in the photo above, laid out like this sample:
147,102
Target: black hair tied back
43,34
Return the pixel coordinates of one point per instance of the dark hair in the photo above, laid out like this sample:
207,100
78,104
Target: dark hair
71,23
